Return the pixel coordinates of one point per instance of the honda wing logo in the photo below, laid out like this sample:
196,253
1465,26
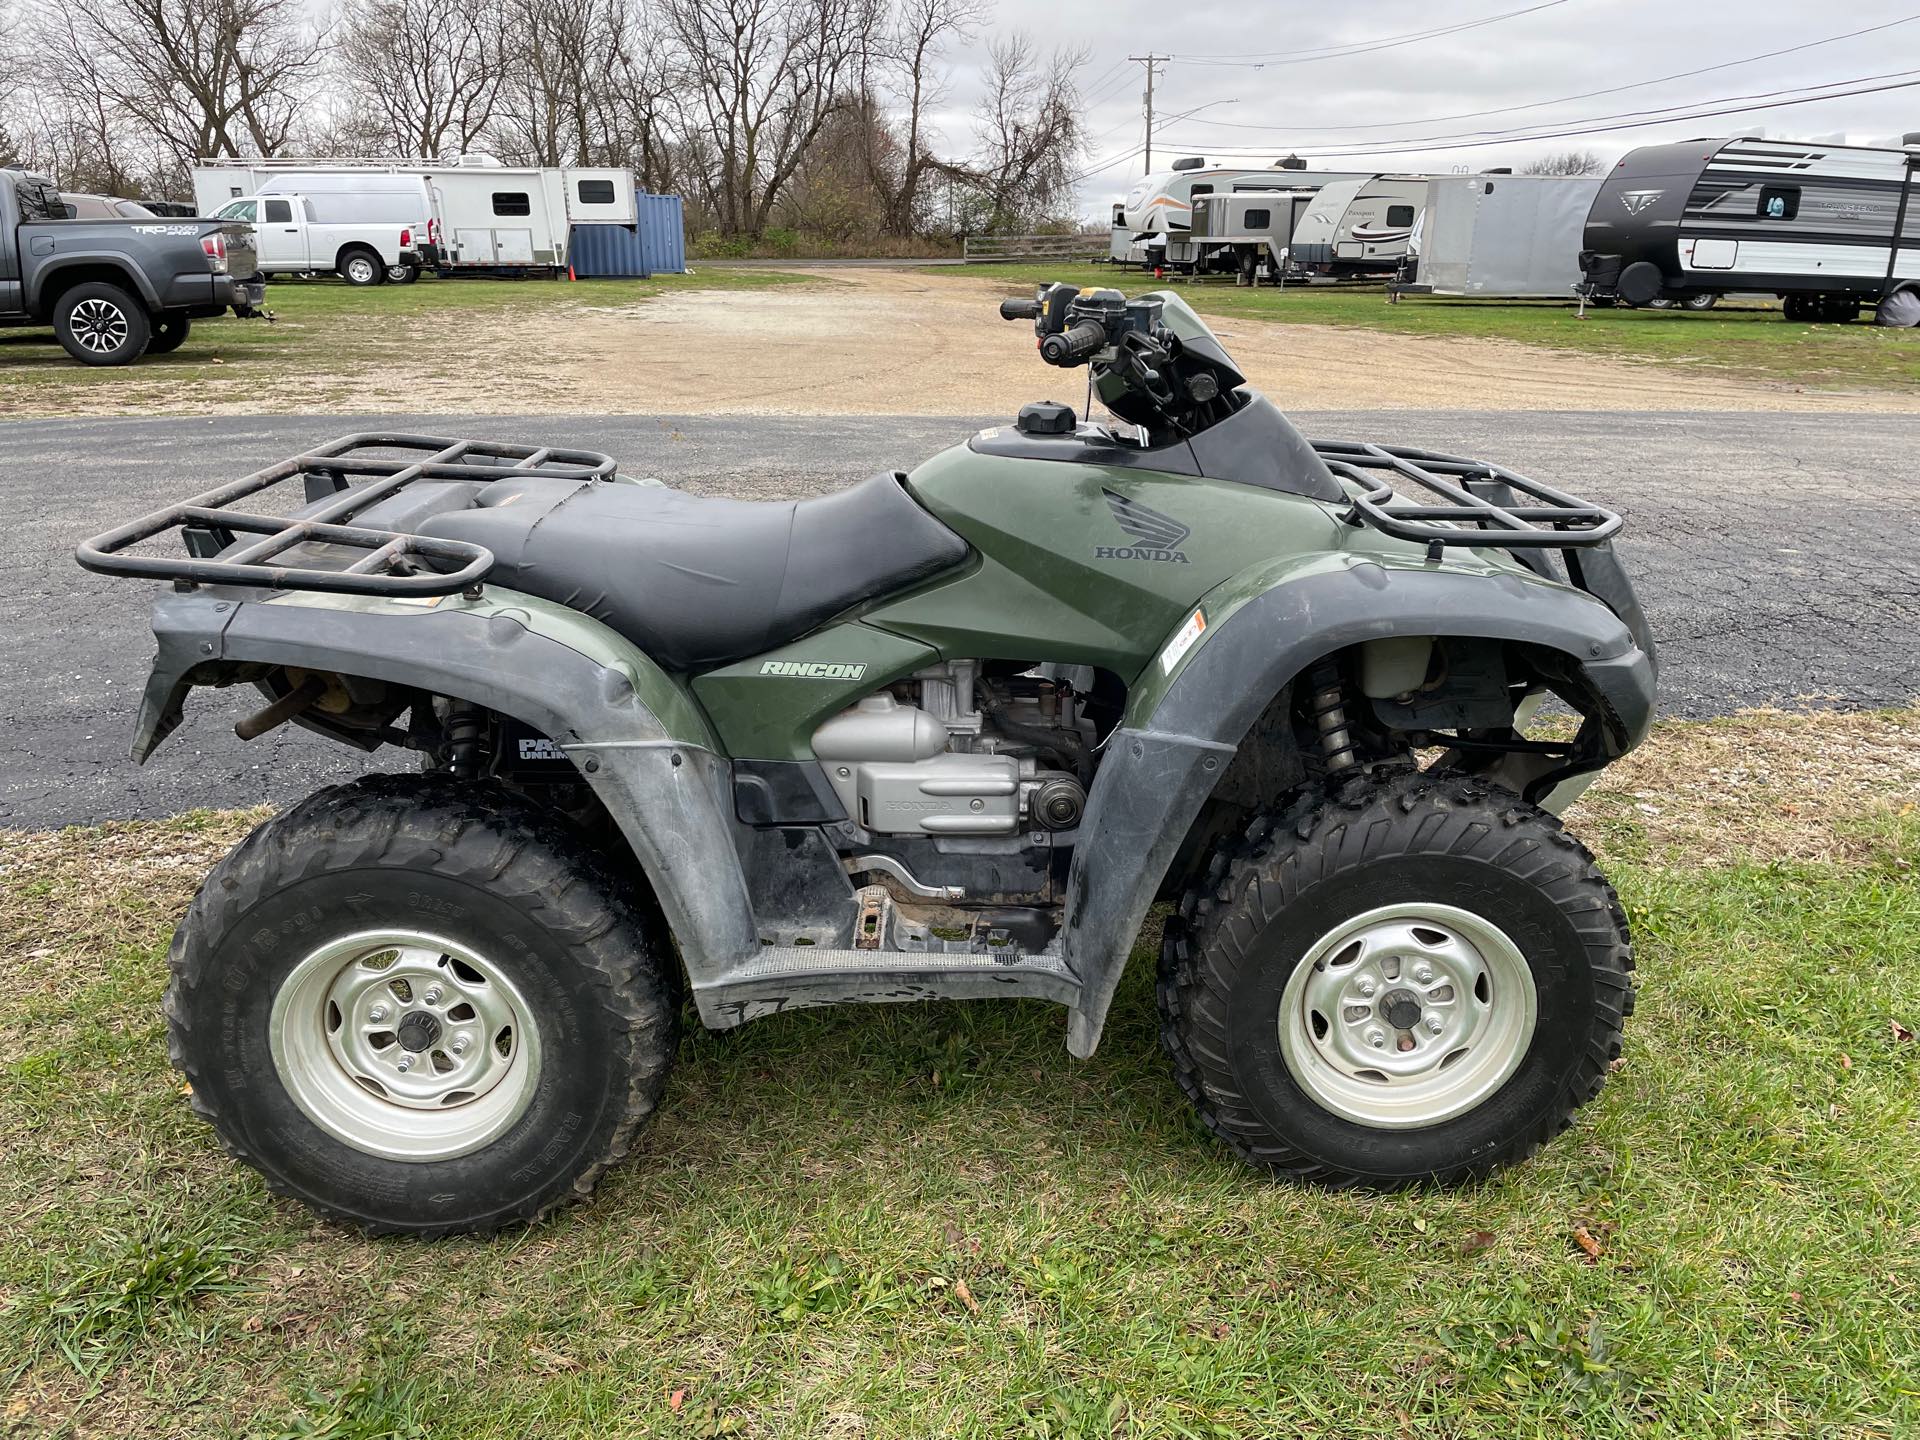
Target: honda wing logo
1159,536
1638,200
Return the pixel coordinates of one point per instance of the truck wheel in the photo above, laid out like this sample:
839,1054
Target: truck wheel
421,1006
169,334
402,274
1401,978
1705,300
1797,308
362,267
101,324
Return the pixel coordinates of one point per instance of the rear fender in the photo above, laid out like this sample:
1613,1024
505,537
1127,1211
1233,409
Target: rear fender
80,266
636,737
1189,712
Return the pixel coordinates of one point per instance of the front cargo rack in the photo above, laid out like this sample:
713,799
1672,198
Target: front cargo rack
396,563
1479,497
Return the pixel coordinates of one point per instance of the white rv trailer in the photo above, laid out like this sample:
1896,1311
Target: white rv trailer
1157,213
487,216
1499,236
1250,233
1359,227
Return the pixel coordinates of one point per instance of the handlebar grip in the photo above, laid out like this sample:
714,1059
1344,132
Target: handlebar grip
1019,309
1073,344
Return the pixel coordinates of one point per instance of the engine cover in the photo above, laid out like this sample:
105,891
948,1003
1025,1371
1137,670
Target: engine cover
941,795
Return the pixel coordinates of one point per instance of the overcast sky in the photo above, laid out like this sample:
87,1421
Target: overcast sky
1319,106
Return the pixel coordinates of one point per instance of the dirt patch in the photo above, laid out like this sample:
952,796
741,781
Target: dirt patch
1763,785
881,342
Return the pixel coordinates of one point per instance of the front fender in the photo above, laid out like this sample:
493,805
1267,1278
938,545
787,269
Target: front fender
635,736
1265,626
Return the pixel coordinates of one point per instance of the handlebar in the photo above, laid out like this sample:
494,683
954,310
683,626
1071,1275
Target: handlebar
1073,344
1019,309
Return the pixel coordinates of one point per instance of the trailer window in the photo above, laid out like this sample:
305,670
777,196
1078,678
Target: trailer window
512,202
1399,215
279,212
1779,202
1200,190
1258,219
596,192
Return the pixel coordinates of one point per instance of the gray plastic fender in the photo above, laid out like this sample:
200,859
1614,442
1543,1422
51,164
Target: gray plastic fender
132,273
1157,775
666,789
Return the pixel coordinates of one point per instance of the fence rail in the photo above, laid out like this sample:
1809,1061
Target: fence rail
1090,245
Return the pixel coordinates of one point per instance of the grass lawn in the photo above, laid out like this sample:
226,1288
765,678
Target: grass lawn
1737,337
929,1221
325,328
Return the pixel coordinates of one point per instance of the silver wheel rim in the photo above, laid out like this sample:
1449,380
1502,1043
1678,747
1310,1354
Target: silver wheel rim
1408,1015
99,325
360,270
405,1045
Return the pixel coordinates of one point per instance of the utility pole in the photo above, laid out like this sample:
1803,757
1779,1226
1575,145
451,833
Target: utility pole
1152,62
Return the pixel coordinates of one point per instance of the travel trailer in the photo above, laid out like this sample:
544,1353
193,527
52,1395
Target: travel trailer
1498,236
1831,229
1250,233
1359,227
1151,225
485,216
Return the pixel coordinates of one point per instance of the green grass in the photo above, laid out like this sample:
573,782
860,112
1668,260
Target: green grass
326,335
1737,337
929,1221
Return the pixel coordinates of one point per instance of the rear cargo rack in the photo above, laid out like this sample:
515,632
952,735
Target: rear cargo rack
395,563
1479,497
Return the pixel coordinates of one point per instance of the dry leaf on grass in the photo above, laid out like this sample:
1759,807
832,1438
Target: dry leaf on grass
966,1296
1589,1245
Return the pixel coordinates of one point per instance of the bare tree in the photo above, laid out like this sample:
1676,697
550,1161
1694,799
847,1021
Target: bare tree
1566,162
1029,133
559,103
421,77
905,65
203,77
761,78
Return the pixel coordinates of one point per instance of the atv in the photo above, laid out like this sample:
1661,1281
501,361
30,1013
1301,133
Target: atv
948,734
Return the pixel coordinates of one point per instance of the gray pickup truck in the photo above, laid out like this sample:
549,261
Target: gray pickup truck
114,290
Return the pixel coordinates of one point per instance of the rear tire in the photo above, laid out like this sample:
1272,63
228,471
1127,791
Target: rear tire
169,334
1400,978
421,1006
402,274
361,268
101,324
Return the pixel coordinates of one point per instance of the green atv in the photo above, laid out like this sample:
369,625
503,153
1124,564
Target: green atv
941,735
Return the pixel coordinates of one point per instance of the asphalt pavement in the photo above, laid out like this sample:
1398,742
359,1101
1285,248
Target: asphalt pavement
1775,554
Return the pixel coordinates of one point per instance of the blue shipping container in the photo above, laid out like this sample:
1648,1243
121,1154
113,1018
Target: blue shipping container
656,245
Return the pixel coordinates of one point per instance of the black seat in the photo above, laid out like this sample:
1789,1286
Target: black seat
698,582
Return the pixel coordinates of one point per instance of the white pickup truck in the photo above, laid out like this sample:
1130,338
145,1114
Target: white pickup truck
296,235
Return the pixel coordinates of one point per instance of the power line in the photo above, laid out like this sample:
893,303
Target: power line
1565,99
1358,47
1624,122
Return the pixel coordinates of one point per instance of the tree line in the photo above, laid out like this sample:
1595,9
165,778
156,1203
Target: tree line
810,115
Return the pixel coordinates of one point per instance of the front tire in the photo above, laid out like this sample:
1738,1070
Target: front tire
421,1006
1401,978
101,324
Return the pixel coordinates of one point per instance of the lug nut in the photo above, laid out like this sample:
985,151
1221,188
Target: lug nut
1367,986
1435,1025
432,997
406,1064
459,1046
1377,1039
1423,973
377,1014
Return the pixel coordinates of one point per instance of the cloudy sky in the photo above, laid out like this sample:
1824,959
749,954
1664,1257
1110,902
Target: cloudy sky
1280,65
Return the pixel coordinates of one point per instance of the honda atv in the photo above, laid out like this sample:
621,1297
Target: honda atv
947,734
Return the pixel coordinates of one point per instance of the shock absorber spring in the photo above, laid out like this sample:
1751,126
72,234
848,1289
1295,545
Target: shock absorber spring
1330,719
465,725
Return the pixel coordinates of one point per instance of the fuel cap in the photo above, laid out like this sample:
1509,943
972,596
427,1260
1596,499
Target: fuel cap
1046,417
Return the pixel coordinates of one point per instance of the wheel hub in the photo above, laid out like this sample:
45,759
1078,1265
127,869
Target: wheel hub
406,1045
1407,1015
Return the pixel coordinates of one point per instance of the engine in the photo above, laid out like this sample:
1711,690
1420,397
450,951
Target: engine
953,750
